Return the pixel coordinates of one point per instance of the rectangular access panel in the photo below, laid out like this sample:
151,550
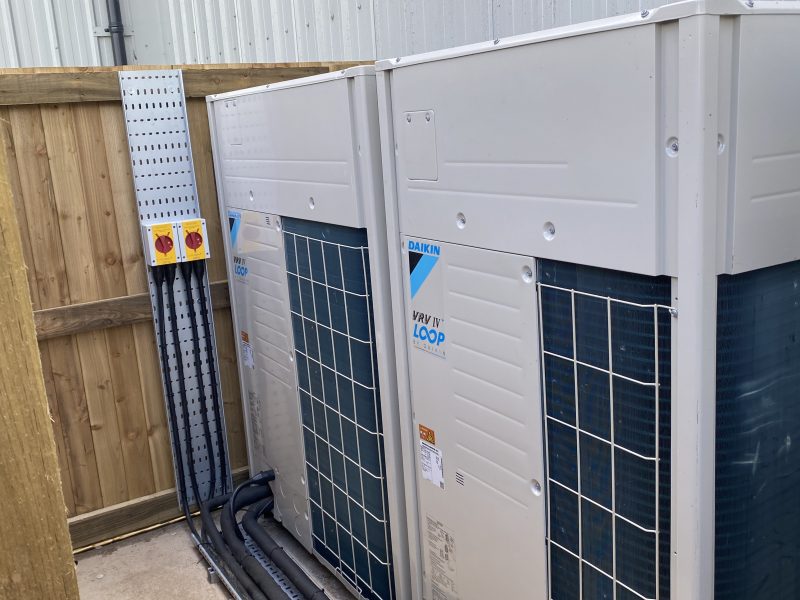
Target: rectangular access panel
474,372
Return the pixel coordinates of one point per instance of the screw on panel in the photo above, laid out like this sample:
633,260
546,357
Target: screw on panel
496,41
428,117
645,13
750,3
673,313
672,146
397,60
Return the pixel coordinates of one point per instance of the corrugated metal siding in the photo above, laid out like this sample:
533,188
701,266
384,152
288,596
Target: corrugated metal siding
70,32
51,33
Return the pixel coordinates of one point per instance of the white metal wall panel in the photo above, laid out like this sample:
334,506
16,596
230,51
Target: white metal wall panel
71,32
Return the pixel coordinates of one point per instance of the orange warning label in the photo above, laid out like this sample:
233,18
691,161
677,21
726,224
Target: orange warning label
245,337
429,435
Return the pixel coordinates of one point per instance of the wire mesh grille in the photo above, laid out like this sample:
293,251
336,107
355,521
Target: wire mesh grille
329,292
605,361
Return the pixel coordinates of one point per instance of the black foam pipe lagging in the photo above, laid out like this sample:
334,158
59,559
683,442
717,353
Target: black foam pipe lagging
199,267
246,497
215,539
257,573
186,273
259,479
277,554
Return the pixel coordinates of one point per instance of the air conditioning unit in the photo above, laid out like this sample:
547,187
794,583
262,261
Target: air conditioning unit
298,172
594,247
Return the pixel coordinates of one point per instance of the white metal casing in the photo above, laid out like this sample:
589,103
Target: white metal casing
663,144
269,383
309,149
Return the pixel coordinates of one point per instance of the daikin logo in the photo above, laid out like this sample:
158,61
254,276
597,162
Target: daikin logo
422,258
424,248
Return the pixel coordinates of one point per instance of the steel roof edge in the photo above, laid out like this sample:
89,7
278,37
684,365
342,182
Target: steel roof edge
350,72
667,12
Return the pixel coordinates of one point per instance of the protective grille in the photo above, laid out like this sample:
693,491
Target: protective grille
758,423
605,344
329,292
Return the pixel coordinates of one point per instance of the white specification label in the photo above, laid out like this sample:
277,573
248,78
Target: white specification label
442,547
430,458
247,356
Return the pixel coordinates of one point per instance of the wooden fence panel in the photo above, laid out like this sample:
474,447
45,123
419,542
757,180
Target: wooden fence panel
70,176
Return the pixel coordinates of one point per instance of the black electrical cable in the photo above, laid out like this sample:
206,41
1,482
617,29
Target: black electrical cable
186,273
278,555
199,267
159,274
257,572
173,313
215,545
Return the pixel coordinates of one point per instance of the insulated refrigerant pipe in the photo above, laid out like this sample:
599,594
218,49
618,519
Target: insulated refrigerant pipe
186,273
277,554
236,501
257,573
199,268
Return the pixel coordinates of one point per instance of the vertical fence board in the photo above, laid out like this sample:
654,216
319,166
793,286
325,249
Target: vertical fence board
102,414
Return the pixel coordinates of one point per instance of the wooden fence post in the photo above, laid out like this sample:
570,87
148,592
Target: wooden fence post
35,553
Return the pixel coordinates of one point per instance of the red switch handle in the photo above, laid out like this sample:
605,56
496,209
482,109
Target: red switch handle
164,244
194,240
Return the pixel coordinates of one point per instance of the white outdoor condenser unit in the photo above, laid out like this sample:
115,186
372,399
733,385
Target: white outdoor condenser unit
594,239
298,174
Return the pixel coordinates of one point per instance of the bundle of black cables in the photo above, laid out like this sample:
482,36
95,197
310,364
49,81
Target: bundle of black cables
227,549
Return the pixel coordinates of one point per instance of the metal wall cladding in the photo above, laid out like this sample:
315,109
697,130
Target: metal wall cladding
606,373
72,32
332,320
45,33
758,421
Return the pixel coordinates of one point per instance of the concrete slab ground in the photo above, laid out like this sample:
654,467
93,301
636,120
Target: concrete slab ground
165,564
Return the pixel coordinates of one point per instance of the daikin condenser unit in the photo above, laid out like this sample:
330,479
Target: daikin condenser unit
298,172
594,239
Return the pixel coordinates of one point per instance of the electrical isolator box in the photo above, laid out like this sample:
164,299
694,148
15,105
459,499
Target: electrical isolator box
192,237
180,241
160,246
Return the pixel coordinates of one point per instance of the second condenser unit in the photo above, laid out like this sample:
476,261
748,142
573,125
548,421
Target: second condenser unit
594,247
298,173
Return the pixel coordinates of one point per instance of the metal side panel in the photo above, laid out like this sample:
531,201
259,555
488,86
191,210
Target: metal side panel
557,138
474,371
163,177
266,363
290,151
